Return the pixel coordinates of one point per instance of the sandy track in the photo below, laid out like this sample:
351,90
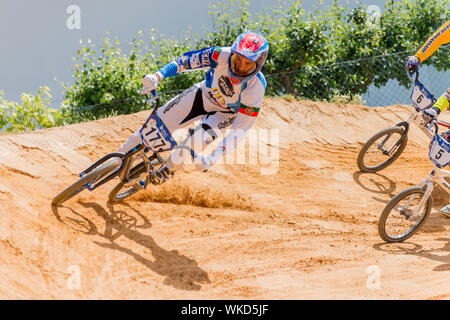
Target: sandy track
307,232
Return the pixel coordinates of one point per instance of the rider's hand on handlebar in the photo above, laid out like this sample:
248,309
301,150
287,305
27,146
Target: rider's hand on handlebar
150,82
412,64
430,114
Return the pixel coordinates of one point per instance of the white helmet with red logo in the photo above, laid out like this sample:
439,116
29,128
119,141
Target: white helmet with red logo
252,46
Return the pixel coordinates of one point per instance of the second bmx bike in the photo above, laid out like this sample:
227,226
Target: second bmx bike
407,211
382,149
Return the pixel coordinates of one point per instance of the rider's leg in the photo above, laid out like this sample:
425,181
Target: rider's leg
184,109
443,103
132,142
172,113
211,127
178,113
201,136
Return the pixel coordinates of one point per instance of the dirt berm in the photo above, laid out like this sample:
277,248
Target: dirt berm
303,226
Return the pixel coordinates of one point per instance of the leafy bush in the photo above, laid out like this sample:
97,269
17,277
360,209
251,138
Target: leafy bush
309,53
350,53
33,113
325,55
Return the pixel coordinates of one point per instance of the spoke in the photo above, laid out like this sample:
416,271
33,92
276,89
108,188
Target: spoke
406,215
380,152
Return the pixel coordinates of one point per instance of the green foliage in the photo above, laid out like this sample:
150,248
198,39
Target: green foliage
109,83
309,53
332,54
107,80
351,51
33,113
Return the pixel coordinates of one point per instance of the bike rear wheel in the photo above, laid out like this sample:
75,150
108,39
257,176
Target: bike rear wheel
93,176
382,149
402,217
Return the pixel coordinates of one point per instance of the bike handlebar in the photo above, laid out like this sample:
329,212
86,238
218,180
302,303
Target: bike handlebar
411,74
155,96
435,124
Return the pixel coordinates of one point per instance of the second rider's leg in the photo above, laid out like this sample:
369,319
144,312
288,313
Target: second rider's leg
443,103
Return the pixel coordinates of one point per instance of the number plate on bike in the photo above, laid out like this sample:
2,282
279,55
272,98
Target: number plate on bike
156,136
421,97
439,151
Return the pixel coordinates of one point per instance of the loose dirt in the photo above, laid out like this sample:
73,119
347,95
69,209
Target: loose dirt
303,226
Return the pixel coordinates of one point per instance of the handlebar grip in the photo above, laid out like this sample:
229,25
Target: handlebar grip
411,74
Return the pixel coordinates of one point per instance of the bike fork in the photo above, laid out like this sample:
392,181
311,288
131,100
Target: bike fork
380,146
139,182
429,190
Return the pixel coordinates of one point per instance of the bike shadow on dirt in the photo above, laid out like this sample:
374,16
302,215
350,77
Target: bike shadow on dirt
441,254
180,271
375,183
380,184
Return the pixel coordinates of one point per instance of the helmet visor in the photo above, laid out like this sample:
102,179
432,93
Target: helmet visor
241,65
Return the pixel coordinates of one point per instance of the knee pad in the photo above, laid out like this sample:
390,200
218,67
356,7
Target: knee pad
132,142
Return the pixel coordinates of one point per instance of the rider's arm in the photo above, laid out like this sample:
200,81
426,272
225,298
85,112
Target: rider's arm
192,60
248,111
243,122
440,37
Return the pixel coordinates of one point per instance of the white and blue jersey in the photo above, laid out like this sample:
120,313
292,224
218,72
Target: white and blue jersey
217,86
219,103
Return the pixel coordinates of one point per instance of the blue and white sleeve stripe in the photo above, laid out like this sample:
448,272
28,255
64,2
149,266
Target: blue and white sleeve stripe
169,70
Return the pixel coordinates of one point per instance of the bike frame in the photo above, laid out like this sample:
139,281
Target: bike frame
437,175
413,118
123,172
127,159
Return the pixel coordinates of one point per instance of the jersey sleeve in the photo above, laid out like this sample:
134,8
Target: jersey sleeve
440,37
192,60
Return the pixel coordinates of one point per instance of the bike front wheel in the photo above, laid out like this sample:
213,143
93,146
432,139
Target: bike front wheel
382,149
93,176
404,214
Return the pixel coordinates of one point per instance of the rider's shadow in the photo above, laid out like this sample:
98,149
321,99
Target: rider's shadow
180,271
417,250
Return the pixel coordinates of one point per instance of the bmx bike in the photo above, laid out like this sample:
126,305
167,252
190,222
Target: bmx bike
382,149
407,211
133,168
